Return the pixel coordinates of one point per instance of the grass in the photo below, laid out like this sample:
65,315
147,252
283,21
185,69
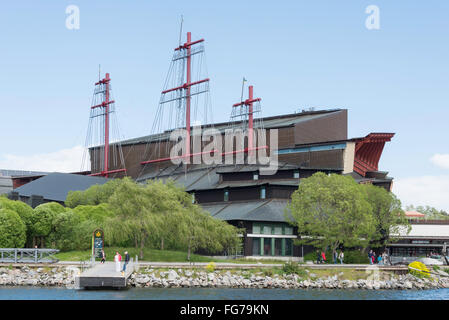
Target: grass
154,256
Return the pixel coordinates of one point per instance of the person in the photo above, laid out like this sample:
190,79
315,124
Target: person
334,256
126,261
341,256
323,257
370,257
318,257
117,259
379,260
103,256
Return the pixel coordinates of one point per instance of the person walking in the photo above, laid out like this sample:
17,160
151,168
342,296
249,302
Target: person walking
126,262
323,257
103,256
318,257
341,256
117,259
335,256
370,257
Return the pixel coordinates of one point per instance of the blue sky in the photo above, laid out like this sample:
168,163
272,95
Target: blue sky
297,54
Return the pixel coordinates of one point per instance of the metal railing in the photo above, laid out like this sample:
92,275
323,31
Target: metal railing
15,255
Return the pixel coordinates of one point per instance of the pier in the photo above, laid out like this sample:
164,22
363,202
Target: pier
104,275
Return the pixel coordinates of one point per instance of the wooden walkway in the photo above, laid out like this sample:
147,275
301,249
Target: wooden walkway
103,275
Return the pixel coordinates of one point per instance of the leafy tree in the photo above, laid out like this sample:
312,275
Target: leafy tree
12,229
331,211
43,220
23,210
94,195
388,215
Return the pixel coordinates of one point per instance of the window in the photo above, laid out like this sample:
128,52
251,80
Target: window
255,176
262,193
288,230
256,228
226,195
193,197
296,174
266,229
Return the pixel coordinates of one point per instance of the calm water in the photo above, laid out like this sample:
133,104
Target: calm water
35,293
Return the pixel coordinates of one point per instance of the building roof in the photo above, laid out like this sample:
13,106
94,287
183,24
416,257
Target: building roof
55,186
414,214
272,210
267,123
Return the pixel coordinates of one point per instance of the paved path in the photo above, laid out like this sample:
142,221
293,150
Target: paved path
106,269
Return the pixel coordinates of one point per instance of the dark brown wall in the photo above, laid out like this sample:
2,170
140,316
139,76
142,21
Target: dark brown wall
329,127
315,159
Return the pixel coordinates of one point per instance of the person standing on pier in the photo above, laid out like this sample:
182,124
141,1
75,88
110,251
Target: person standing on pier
117,259
341,256
126,262
103,256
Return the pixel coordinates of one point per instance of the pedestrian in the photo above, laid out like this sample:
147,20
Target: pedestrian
370,257
103,256
335,256
126,262
117,259
323,257
318,257
341,256
379,260
374,258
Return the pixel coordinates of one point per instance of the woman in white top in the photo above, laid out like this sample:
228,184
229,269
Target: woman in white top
117,262
341,257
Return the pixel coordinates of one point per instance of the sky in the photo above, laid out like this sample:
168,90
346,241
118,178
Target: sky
297,54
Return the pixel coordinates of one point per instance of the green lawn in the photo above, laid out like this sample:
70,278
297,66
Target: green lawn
152,255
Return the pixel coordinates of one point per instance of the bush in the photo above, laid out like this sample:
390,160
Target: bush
12,229
210,267
418,269
290,267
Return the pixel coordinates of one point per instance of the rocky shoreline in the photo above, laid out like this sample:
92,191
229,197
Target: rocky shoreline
64,277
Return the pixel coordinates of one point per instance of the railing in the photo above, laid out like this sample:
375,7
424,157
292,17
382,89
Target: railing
15,255
86,264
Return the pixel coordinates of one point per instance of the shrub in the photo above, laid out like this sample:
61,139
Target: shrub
12,229
290,267
210,267
418,269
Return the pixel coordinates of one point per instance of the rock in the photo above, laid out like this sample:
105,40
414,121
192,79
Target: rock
172,275
312,275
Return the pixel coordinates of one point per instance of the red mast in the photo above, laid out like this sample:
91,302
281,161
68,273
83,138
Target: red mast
104,89
249,104
186,89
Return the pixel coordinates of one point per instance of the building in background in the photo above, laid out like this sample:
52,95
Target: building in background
308,142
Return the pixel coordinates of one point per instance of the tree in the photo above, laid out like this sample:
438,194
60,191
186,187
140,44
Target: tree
23,210
430,212
330,211
12,229
388,214
43,221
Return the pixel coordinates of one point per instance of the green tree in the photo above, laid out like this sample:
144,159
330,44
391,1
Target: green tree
12,229
43,221
23,210
388,214
430,212
330,211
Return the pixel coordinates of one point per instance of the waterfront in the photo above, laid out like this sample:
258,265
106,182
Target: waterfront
57,293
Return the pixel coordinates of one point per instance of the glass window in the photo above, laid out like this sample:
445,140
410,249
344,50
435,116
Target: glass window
278,247
256,228
266,229
288,247
256,247
226,195
267,246
278,230
193,197
255,176
296,174
288,230
262,193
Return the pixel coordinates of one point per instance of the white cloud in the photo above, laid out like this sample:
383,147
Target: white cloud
425,190
65,160
441,160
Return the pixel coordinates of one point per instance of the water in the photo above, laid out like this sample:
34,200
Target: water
45,293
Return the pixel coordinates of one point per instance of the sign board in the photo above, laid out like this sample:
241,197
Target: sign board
97,243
